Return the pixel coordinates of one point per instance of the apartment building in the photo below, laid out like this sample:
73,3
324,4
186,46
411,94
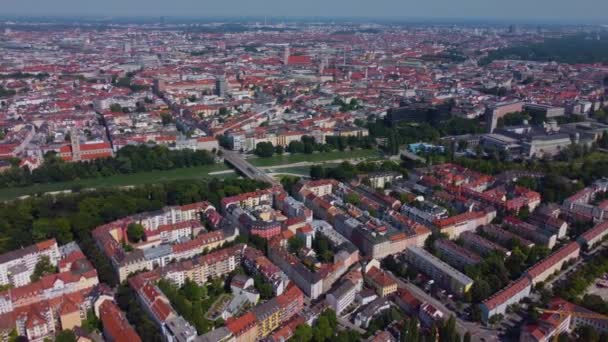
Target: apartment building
511,294
343,296
504,237
381,282
116,328
482,245
530,232
553,263
593,236
442,273
465,222
457,256
16,267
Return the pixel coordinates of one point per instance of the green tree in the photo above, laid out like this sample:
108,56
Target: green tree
166,118
303,333
65,336
323,330
352,198
46,228
116,108
135,232
587,333
317,172
295,147
43,267
91,323
295,244
264,149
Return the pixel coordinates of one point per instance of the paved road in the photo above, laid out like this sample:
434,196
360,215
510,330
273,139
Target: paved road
477,331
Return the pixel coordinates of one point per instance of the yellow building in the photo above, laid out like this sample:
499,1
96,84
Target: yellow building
380,281
268,316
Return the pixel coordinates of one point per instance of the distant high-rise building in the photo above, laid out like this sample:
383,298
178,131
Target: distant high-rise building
127,47
75,142
286,55
221,86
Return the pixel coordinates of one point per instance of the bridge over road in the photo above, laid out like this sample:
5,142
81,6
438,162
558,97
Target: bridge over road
246,168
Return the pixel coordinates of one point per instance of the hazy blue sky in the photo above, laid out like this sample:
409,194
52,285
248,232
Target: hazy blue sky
568,10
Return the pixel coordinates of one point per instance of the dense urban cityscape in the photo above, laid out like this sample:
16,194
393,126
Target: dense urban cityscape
270,179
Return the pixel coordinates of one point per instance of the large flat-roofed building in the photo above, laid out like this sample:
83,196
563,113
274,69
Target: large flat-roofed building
500,109
501,142
547,110
546,145
442,273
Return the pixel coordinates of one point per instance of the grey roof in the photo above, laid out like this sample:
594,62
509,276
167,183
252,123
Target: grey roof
345,287
157,252
180,328
438,263
219,334
18,253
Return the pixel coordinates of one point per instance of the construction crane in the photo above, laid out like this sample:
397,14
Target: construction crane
564,313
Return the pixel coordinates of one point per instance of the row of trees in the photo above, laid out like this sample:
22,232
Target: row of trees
71,217
130,159
308,145
347,171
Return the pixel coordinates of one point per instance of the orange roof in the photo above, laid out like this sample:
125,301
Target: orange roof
241,325
380,277
115,324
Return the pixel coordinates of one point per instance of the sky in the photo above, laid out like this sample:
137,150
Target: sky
583,11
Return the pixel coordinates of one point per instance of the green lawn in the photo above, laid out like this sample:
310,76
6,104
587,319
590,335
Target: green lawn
315,157
118,180
183,173
301,170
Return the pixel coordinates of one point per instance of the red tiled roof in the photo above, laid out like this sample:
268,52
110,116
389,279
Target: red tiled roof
115,324
473,215
595,231
507,292
553,259
241,325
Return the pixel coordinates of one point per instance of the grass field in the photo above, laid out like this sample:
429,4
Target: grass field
314,158
118,180
184,173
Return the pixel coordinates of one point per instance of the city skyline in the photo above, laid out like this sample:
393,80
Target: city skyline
586,11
